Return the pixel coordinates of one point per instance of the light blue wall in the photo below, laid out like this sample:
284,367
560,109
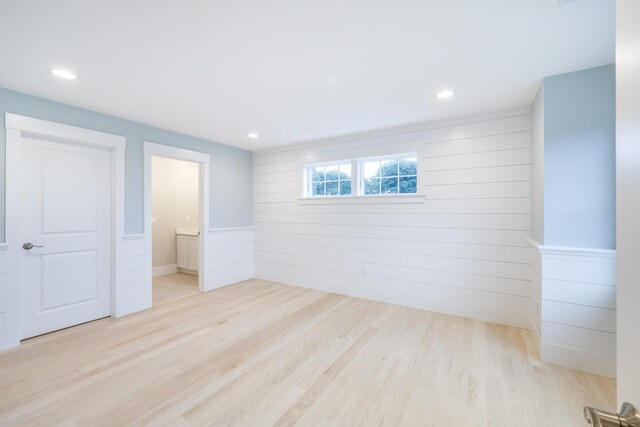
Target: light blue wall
230,174
579,159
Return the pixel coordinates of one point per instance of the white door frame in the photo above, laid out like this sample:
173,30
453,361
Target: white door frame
204,160
16,127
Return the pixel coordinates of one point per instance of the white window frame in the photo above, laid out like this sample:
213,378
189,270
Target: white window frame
308,180
402,156
357,194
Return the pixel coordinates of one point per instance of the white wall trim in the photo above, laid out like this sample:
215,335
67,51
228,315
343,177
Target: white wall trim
171,152
164,270
130,237
229,229
393,296
571,251
134,236
575,358
363,200
16,128
68,132
576,291
152,149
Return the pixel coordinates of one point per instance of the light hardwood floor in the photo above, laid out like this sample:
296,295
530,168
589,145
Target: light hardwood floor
260,354
174,286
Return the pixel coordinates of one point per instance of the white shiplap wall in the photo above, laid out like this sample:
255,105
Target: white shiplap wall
5,341
133,289
461,251
230,256
575,292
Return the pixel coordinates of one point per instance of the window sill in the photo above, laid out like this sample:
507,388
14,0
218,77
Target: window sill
363,200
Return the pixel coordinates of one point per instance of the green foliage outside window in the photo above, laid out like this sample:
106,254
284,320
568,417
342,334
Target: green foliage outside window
391,176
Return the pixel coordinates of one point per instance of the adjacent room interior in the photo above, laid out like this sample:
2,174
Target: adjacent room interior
337,213
175,232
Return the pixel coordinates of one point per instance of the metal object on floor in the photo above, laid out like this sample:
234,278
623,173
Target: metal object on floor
628,417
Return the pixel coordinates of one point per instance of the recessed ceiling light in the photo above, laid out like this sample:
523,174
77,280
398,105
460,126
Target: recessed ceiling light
63,74
252,135
446,93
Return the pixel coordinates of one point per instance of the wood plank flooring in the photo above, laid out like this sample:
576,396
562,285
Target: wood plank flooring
260,354
174,286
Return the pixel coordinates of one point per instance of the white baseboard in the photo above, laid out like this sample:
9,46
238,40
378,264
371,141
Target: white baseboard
186,271
440,305
163,270
576,358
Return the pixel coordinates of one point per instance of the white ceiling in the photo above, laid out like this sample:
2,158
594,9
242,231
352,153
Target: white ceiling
296,70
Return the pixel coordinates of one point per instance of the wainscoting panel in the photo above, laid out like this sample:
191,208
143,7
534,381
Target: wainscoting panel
577,307
8,318
132,291
230,256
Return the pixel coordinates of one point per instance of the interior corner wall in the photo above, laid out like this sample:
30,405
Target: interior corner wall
537,158
230,204
573,186
174,197
579,159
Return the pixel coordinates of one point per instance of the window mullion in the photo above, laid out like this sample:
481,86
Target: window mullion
355,178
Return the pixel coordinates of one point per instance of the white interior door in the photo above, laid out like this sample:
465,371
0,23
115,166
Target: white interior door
66,209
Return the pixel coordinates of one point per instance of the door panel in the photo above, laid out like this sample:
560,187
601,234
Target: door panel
68,279
66,208
69,202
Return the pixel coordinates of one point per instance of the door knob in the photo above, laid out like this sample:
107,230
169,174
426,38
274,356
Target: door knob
28,246
628,417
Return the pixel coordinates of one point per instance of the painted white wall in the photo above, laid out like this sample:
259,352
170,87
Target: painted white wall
537,183
5,335
132,274
174,197
230,256
628,198
461,251
574,291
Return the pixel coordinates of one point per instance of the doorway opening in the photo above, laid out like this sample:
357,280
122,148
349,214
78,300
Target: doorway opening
188,228
175,232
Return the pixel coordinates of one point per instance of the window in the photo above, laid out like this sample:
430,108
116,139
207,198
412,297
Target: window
389,175
329,180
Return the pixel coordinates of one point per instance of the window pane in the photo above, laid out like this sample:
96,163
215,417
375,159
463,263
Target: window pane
389,168
317,173
345,188
332,188
372,186
408,166
389,185
345,171
408,184
318,189
331,173
371,169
